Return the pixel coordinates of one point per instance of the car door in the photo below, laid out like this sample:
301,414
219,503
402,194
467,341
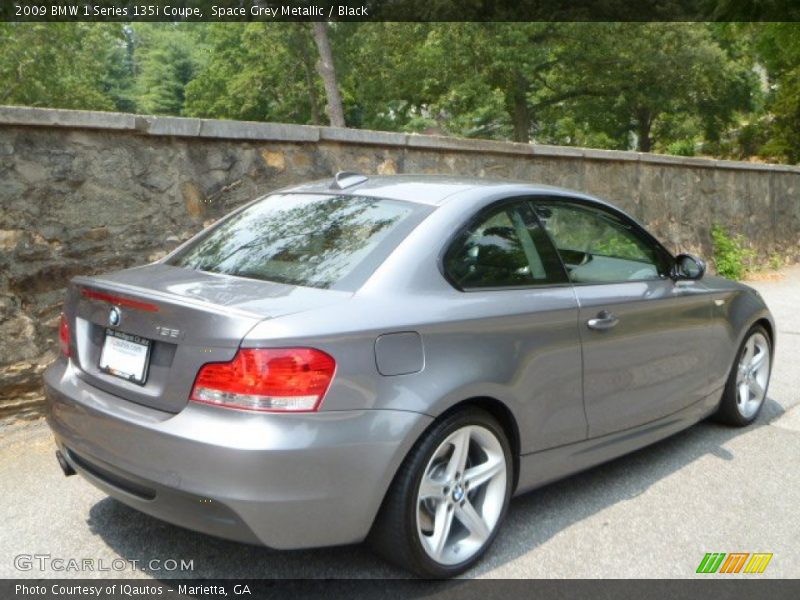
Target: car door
518,326
645,337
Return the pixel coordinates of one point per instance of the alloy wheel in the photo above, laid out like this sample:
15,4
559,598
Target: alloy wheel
461,495
752,375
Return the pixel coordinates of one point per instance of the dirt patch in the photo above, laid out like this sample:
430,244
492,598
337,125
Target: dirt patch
765,276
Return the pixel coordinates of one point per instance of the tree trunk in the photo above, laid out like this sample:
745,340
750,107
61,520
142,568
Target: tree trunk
521,116
644,123
308,71
328,74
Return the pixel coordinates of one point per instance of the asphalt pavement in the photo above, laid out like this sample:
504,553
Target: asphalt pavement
654,513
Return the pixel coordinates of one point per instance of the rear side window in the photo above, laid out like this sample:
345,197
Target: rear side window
505,247
304,239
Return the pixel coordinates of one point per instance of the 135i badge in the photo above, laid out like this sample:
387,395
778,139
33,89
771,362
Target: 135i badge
168,332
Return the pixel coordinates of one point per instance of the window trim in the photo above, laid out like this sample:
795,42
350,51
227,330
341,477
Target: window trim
641,232
481,213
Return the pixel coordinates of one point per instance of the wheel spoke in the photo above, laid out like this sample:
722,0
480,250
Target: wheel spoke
756,388
748,352
757,360
747,356
460,451
430,488
442,523
478,475
744,393
470,518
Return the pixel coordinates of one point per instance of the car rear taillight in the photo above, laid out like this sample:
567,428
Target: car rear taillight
63,335
267,379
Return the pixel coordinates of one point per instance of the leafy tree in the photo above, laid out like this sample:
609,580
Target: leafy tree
576,83
62,65
662,82
535,66
474,79
165,58
498,78
384,74
778,47
726,89
117,80
257,71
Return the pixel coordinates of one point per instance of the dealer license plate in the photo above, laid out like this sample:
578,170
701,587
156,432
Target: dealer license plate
125,356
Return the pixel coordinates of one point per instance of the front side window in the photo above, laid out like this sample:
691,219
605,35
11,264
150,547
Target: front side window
505,247
303,239
597,246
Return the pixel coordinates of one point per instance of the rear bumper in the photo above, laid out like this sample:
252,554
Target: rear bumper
285,481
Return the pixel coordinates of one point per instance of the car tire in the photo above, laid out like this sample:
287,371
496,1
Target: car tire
459,472
748,382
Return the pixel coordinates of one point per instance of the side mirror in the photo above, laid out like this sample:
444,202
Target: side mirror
688,266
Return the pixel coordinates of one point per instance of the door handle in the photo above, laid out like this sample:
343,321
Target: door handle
604,320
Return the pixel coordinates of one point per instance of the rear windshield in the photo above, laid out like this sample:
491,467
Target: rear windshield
314,240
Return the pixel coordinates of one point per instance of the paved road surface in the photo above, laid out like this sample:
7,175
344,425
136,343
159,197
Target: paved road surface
651,514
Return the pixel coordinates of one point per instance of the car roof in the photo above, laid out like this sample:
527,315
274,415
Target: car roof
433,190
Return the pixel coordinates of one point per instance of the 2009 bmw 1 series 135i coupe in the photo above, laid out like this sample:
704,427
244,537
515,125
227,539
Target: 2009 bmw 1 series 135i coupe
392,359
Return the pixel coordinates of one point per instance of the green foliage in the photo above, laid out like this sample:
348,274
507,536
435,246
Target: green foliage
62,65
784,142
681,148
730,255
654,79
775,261
259,72
166,57
614,243
118,72
725,89
777,47
575,229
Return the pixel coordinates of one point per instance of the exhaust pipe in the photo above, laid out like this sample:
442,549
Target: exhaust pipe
65,466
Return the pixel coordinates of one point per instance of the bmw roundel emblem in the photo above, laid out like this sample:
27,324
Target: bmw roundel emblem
114,317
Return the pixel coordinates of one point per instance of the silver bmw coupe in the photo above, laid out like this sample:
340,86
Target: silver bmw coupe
392,359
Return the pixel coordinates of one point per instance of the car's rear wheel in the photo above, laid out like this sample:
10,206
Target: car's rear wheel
445,506
748,381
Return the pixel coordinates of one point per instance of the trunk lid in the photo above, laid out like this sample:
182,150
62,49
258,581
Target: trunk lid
187,317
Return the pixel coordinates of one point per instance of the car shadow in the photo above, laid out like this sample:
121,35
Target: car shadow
135,536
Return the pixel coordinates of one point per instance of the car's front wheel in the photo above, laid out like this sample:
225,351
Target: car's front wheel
444,508
746,388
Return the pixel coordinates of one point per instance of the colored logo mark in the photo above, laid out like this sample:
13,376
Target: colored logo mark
734,562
